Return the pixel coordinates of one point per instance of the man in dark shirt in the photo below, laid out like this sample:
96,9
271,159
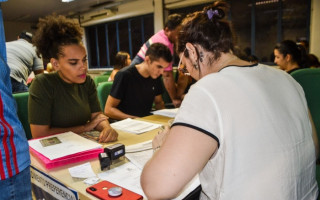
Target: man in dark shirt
137,87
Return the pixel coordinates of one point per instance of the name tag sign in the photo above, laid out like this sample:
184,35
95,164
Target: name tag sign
46,187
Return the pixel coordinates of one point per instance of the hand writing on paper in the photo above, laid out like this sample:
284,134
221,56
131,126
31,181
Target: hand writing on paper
108,134
95,121
160,138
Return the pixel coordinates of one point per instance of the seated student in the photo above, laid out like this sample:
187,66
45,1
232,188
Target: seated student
136,87
289,56
122,60
236,127
65,100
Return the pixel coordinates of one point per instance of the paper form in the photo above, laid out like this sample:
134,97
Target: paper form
82,171
64,144
167,112
134,126
128,174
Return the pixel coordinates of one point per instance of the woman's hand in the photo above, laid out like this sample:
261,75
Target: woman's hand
108,134
95,121
160,138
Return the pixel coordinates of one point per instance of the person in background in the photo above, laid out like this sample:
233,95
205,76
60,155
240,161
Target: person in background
137,87
15,179
65,100
22,60
168,37
313,61
289,56
122,60
235,127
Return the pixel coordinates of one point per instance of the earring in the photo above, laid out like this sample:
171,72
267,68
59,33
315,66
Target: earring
195,66
201,56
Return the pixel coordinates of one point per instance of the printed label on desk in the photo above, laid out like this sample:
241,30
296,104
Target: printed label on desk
46,187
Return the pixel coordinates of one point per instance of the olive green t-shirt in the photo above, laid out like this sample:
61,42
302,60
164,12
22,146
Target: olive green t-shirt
54,102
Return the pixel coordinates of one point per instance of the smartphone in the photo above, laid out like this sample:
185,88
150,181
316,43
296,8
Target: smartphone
106,190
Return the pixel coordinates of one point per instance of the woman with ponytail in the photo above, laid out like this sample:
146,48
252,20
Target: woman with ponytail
235,127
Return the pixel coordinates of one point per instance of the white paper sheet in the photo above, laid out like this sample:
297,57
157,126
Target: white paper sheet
63,144
82,171
139,147
134,126
128,174
167,112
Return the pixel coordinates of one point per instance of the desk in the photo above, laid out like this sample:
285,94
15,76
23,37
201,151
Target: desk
62,174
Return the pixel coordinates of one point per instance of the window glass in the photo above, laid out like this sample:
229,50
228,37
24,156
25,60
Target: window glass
92,51
295,19
123,36
112,38
266,30
136,37
102,45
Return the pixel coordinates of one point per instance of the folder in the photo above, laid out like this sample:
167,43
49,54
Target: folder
62,149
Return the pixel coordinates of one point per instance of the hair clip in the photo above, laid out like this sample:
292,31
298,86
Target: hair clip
212,13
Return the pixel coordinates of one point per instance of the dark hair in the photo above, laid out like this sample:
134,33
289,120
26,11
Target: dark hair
208,29
297,52
173,21
157,51
313,60
53,33
120,60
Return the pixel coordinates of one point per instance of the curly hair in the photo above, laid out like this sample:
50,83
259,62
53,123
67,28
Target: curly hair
208,29
53,33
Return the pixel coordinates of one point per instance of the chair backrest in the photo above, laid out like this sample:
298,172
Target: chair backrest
103,91
309,79
100,79
22,107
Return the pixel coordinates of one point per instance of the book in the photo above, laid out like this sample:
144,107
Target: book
64,148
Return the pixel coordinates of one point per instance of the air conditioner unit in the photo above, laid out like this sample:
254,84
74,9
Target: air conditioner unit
103,13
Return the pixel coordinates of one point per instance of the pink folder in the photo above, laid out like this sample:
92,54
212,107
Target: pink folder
77,157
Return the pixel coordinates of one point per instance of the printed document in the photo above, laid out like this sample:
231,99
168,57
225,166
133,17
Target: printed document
167,112
128,174
134,126
64,144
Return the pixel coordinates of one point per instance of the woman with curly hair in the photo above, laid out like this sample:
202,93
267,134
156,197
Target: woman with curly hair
65,100
238,127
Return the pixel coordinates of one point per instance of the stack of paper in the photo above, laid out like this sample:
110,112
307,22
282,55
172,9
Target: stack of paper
64,148
167,112
134,126
128,175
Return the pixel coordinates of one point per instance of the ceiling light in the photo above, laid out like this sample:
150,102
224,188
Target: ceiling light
66,1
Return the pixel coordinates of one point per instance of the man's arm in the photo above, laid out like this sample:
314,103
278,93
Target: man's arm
169,84
158,101
113,112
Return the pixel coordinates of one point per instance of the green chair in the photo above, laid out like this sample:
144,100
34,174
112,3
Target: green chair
107,72
99,79
103,91
309,79
22,109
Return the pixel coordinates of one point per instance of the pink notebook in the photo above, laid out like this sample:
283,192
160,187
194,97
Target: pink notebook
77,157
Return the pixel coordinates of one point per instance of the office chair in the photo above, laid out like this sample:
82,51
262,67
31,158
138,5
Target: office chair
22,108
309,79
99,79
103,91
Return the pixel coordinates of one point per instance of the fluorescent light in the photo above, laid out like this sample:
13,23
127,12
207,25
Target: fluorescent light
66,1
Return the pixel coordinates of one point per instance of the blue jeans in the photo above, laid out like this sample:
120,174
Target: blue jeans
18,87
17,187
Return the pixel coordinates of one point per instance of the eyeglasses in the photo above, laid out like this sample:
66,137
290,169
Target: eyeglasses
183,69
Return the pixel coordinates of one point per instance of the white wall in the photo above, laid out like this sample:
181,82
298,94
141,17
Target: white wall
315,28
